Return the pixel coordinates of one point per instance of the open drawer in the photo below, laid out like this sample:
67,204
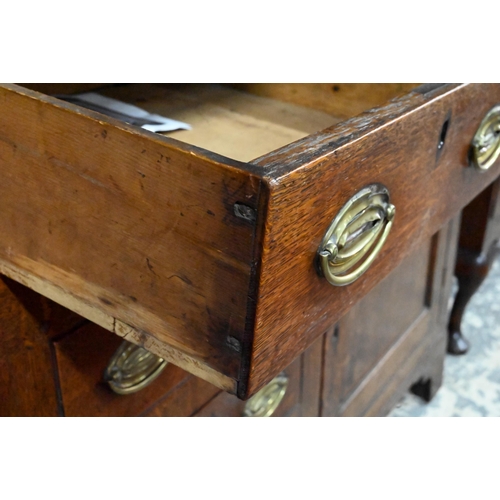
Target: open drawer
220,265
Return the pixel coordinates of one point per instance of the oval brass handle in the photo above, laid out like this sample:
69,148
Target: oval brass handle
358,232
486,142
131,368
265,402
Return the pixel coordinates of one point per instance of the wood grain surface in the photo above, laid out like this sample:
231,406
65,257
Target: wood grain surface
82,358
133,230
344,100
27,376
311,179
375,323
139,233
302,397
235,124
395,336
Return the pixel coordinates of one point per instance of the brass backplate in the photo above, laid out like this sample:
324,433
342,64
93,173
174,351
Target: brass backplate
265,402
485,148
356,236
132,368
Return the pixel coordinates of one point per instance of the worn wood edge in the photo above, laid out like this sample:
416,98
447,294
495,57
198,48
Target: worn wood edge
98,312
168,142
253,290
339,99
315,148
272,178
108,322
175,356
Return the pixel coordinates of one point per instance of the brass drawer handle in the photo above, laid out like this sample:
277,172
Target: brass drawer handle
486,142
131,368
358,231
265,402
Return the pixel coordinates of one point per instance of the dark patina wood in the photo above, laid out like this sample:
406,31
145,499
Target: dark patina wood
302,398
207,261
28,375
82,357
394,337
27,385
398,146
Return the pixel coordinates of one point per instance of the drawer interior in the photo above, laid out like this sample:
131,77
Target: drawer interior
245,121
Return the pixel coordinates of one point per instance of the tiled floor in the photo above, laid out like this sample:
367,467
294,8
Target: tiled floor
471,385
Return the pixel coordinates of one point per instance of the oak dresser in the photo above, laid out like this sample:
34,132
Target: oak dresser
292,254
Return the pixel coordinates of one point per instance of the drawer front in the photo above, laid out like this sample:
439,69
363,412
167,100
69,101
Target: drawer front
300,397
418,148
209,262
375,323
280,398
82,358
83,355
395,336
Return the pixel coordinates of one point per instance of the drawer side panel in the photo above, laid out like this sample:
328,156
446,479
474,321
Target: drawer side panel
127,228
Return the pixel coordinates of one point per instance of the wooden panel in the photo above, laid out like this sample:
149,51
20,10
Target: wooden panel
54,320
302,398
400,362
375,323
340,99
186,400
27,383
82,358
227,405
161,257
414,348
312,179
129,229
232,123
312,373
